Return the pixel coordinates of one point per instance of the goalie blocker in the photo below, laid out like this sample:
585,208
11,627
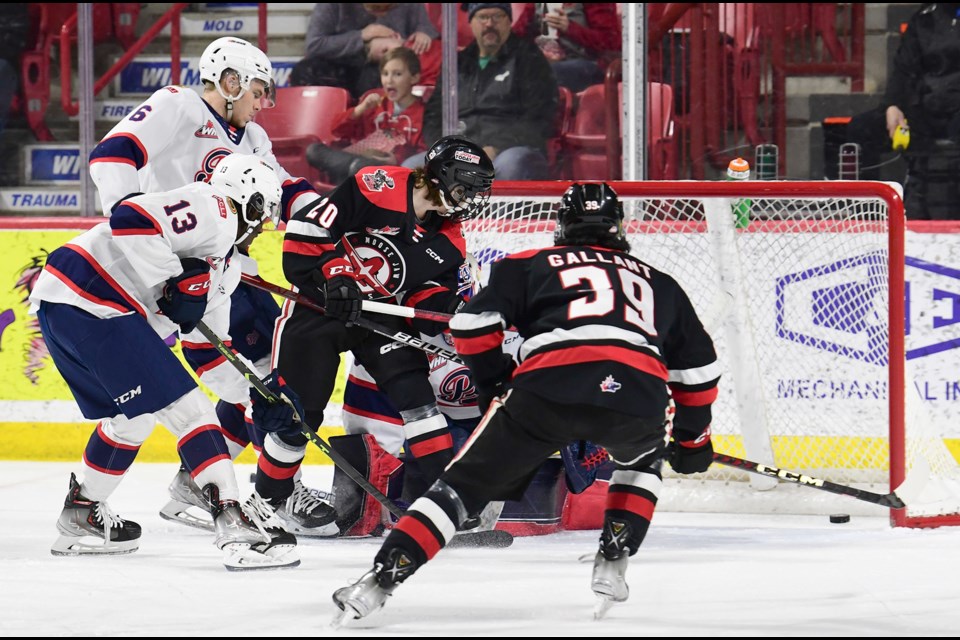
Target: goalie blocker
563,495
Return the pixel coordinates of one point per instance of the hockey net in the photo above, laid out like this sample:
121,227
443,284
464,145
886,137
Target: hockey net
805,304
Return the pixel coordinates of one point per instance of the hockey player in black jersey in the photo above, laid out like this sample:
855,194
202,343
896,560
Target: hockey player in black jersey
387,233
607,340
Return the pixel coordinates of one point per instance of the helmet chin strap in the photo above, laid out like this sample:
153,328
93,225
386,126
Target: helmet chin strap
450,208
230,99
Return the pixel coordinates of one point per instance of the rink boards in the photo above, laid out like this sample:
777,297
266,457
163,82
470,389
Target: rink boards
40,420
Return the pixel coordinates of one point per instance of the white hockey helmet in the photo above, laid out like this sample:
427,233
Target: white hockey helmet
253,185
249,62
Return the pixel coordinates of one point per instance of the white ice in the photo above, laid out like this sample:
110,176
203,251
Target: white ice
696,575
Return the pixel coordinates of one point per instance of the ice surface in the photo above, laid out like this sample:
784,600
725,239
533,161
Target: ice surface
696,575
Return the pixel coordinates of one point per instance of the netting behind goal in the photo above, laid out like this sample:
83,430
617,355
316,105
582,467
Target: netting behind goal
805,305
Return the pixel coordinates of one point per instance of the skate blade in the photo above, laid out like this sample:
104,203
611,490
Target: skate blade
330,530
601,607
240,557
175,511
343,617
91,546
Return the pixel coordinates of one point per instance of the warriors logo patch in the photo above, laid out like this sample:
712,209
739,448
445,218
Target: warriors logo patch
377,180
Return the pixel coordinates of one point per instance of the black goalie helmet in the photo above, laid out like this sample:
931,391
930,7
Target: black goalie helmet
590,212
463,172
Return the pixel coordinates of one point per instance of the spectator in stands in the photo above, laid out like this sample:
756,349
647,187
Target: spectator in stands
386,127
923,92
14,27
345,43
507,96
579,39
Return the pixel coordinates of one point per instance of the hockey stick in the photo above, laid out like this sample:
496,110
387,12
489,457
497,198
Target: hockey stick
891,500
367,305
271,397
477,539
362,321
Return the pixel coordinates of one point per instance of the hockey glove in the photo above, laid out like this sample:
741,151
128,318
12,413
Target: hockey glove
184,298
283,416
501,384
581,461
340,288
691,456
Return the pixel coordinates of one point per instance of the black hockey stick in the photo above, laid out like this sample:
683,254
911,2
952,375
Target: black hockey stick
491,538
363,321
891,500
367,305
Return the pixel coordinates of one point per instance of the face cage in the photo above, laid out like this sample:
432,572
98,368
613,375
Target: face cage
253,214
464,208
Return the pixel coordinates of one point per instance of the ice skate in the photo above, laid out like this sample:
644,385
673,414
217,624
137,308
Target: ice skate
245,543
370,592
187,504
609,580
303,513
82,524
609,583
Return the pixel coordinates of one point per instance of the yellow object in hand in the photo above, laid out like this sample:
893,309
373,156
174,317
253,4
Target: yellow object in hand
901,138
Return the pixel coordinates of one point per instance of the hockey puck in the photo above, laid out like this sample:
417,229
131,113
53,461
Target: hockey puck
839,518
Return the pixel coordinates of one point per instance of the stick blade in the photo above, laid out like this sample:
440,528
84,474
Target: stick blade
494,539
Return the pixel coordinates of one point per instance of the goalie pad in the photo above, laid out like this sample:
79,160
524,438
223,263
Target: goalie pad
584,509
359,513
539,510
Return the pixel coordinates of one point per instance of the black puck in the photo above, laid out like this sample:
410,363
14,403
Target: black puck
839,518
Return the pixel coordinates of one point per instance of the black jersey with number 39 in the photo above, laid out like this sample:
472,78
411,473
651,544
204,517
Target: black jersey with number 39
600,327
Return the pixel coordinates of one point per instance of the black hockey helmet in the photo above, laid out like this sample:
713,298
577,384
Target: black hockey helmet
590,213
463,173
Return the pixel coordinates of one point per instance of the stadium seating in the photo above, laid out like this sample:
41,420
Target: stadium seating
303,115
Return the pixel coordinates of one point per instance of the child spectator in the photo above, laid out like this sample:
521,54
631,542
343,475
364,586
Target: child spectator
386,127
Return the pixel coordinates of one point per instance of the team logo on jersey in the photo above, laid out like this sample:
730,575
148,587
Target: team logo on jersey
609,385
457,388
378,265
207,131
209,163
377,180
386,230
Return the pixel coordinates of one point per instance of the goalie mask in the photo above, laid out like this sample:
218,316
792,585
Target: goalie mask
255,188
463,173
244,59
591,213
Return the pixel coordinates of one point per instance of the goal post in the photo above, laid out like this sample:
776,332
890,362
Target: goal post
806,304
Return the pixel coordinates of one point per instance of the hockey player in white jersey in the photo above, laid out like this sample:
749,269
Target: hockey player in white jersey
106,300
178,136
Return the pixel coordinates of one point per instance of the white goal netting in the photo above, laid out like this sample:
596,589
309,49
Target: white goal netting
798,303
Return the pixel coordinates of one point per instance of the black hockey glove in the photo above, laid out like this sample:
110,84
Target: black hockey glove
691,456
184,298
487,392
340,289
283,416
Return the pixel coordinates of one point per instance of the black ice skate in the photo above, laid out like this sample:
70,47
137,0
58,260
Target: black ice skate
609,581
303,513
83,524
245,543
